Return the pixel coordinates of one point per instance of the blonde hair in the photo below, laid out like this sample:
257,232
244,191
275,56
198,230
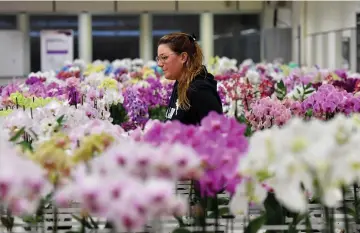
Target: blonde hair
185,43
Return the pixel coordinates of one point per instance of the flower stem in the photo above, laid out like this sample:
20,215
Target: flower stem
216,213
190,197
345,210
332,226
356,204
204,211
55,214
308,224
82,230
327,220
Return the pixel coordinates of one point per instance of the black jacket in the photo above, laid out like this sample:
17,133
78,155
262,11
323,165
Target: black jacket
203,98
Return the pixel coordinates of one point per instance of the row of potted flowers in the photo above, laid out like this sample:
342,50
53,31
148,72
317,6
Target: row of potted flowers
305,120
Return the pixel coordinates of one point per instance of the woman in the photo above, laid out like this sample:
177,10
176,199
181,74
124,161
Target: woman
194,94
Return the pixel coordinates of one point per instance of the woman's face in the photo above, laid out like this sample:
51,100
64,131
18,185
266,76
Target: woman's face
171,63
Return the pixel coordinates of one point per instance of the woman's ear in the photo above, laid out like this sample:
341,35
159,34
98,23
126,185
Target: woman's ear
184,57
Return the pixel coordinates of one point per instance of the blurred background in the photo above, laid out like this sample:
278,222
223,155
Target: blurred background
310,33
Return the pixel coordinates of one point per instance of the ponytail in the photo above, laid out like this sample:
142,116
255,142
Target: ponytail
192,69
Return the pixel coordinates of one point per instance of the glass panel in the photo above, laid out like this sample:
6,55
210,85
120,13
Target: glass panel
8,22
115,37
165,24
237,36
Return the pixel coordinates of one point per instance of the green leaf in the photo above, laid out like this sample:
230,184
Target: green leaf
281,85
224,211
157,113
242,119
274,211
8,222
118,114
280,96
223,200
17,135
28,219
248,131
95,225
26,145
308,224
221,212
292,229
211,202
48,197
309,113
308,92
349,211
181,230
279,91
82,221
32,219
296,220
180,221
60,119
309,85
300,217
256,224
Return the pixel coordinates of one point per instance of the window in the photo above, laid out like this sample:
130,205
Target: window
165,24
237,36
115,37
8,22
49,22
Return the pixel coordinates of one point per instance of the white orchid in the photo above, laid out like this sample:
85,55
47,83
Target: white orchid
227,64
315,156
277,76
93,80
150,64
246,63
112,97
253,76
124,63
249,191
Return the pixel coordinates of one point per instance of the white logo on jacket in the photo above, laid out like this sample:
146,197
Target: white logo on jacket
169,113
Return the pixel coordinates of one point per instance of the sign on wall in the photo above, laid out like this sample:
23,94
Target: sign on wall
57,47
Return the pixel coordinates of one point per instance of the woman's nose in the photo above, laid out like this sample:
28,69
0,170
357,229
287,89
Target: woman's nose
159,63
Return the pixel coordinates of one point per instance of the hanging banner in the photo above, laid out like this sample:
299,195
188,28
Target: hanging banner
57,47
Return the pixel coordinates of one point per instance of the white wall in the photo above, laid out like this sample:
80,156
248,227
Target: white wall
284,17
324,25
12,50
328,16
126,6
